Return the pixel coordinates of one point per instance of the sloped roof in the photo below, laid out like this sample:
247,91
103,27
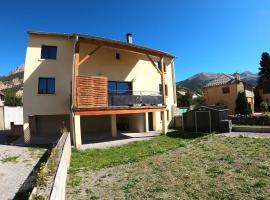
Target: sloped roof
108,42
225,79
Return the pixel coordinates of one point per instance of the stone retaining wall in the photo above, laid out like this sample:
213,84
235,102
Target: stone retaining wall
251,129
54,187
251,120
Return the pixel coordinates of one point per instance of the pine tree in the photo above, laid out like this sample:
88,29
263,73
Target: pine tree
241,104
264,69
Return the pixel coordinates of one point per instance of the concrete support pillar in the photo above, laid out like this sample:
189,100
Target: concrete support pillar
77,129
155,121
164,122
146,122
113,126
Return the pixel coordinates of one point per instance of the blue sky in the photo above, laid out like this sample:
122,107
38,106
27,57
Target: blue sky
205,35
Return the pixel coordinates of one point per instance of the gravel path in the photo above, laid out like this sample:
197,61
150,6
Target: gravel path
16,164
247,134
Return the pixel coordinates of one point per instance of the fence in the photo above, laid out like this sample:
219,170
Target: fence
10,114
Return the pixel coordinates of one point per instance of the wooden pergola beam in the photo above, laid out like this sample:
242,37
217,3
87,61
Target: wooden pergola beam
153,63
89,55
163,80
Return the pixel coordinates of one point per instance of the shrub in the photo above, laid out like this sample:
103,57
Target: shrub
241,104
12,100
264,106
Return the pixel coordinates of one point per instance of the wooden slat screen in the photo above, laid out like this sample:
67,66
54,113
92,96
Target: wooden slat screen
92,91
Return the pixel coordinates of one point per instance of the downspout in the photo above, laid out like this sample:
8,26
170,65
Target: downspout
174,83
72,92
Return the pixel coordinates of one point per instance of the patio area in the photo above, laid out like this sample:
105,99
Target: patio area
105,140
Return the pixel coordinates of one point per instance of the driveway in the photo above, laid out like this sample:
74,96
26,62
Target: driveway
16,164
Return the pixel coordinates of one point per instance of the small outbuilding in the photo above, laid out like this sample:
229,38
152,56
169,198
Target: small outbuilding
207,119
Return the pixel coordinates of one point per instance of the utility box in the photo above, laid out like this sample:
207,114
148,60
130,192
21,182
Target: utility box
207,119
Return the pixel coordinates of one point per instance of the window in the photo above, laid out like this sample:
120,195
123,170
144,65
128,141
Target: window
119,87
226,90
117,56
46,85
48,52
166,89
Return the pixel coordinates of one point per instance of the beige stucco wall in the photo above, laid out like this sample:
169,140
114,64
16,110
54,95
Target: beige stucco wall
60,69
131,67
214,95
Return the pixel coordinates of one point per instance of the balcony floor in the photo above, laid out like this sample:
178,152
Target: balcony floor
110,110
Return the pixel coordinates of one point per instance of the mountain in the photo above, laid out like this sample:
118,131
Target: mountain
197,81
13,81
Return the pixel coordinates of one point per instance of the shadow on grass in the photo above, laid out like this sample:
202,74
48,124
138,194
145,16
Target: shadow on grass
185,135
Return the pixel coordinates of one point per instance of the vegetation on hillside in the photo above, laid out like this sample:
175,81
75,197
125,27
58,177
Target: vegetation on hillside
11,77
12,100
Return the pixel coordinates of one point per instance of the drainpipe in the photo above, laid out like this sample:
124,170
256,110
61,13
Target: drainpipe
72,92
174,84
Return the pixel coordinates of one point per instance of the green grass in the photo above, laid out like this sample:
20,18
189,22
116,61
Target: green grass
176,167
267,113
99,158
12,159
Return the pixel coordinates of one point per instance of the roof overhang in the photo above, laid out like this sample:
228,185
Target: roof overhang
109,43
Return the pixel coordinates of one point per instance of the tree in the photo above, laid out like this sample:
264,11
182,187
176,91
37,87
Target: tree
12,100
257,100
200,100
241,104
264,69
185,100
264,106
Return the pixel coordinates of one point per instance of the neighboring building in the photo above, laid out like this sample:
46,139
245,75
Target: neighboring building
2,98
95,85
224,91
183,92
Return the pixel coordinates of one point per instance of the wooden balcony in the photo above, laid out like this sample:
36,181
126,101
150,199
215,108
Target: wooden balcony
92,98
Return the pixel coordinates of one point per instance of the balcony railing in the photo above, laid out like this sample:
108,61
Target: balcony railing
134,98
92,92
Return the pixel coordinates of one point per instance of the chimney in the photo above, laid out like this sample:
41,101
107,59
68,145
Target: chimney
237,76
129,38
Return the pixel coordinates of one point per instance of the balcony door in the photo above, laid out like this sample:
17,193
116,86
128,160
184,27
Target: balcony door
120,87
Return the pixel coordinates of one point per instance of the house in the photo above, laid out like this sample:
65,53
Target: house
224,91
2,98
91,85
183,92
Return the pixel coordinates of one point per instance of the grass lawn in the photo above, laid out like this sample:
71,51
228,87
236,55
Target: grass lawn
175,167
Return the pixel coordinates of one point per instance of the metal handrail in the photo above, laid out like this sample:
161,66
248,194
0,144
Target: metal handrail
132,92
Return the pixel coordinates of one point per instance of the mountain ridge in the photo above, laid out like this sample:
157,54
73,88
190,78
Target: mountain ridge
196,82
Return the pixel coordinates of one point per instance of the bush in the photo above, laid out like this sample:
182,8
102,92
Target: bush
264,106
12,100
241,104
